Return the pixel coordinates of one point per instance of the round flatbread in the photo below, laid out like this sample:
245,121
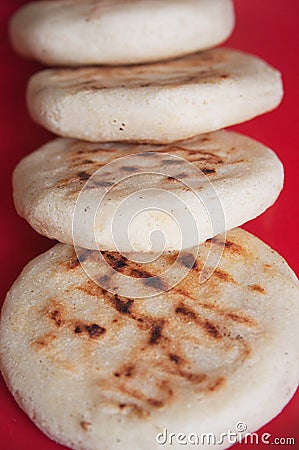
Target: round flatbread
121,197
73,32
94,370
161,102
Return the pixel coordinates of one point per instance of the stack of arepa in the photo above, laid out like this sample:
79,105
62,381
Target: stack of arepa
154,315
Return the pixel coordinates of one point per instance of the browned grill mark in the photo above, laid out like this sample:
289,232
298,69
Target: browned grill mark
200,156
224,276
187,260
156,283
239,161
56,316
99,183
222,312
194,378
129,169
104,280
43,341
207,326
149,280
122,305
165,393
147,154
233,246
71,265
156,333
219,383
257,288
171,258
179,176
240,319
182,310
134,410
83,256
115,260
137,273
171,162
92,330
230,246
85,425
155,403
212,329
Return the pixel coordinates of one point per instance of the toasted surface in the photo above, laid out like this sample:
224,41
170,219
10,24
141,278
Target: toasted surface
116,195
160,102
81,360
72,32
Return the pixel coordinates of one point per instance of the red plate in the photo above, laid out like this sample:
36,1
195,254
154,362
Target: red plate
264,27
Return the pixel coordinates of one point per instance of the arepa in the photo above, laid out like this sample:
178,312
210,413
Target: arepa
94,370
120,196
75,32
159,102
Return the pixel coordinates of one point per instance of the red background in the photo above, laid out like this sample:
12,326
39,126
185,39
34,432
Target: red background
267,28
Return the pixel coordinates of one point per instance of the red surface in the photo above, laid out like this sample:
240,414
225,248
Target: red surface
265,27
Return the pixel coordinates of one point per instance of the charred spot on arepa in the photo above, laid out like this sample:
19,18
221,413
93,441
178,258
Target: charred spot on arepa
175,358
208,171
156,332
128,371
83,175
123,306
55,312
92,330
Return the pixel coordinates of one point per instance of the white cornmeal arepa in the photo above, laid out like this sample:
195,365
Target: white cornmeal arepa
75,32
190,190
160,102
97,371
